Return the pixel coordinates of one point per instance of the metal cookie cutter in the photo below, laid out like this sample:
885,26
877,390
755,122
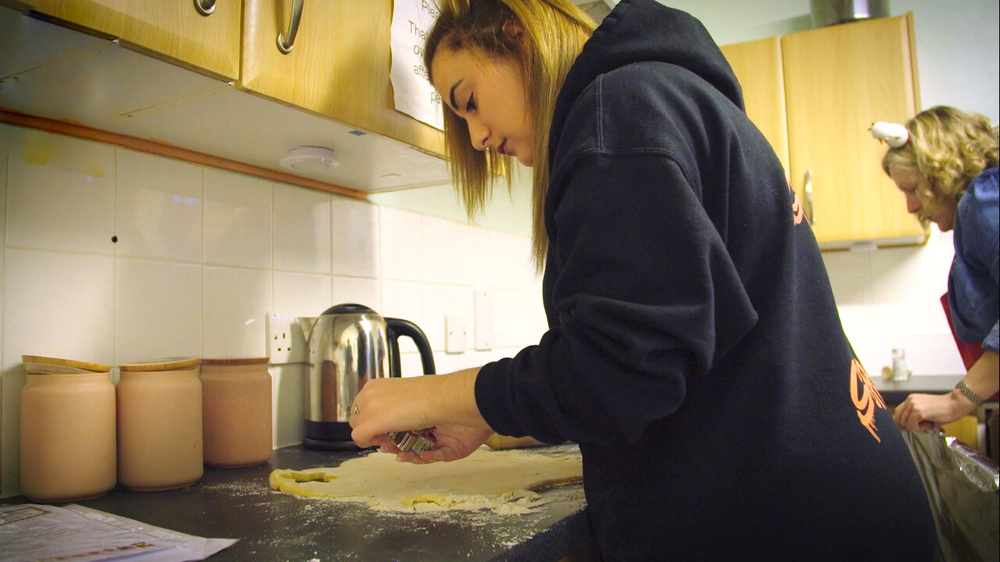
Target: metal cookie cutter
416,441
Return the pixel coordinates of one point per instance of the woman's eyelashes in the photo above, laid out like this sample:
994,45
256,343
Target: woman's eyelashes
471,104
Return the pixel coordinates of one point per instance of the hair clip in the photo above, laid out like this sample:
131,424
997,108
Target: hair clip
893,134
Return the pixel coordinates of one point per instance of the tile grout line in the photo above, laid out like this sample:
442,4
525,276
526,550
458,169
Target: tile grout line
114,267
201,307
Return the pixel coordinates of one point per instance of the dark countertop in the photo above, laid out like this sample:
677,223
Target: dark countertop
239,503
896,392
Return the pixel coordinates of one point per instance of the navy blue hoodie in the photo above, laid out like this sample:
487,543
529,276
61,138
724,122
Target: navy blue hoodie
694,348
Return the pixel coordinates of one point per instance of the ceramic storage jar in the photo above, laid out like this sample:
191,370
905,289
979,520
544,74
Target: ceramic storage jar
67,430
159,425
236,402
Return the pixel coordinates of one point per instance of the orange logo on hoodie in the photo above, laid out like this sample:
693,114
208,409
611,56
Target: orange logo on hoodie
867,399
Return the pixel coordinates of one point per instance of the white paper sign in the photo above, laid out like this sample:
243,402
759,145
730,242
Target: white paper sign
413,94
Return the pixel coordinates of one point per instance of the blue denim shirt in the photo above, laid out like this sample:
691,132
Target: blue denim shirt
973,285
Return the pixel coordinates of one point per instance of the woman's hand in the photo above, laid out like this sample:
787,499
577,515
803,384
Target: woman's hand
445,402
453,442
923,411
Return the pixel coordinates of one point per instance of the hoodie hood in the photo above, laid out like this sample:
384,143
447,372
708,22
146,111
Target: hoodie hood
645,30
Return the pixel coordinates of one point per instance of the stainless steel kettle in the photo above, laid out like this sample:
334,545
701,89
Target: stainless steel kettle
349,345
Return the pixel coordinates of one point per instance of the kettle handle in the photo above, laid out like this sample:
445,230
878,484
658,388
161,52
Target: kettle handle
399,327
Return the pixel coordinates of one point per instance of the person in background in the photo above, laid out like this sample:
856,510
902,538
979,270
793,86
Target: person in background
694,349
945,162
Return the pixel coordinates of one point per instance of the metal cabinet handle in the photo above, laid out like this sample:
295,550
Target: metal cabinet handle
204,7
286,39
809,197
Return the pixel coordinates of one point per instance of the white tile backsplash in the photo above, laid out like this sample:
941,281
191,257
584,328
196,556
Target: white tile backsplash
190,280
441,301
304,294
236,303
850,276
159,208
912,268
358,290
157,310
890,298
355,235
404,299
510,261
60,194
479,258
301,230
237,220
58,305
401,245
288,384
445,251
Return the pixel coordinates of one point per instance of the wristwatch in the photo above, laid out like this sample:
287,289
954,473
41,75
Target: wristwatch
969,393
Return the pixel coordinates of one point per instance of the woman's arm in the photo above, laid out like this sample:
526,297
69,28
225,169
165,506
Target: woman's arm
923,411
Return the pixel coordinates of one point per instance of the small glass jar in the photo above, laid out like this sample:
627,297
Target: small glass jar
159,425
236,406
67,430
900,372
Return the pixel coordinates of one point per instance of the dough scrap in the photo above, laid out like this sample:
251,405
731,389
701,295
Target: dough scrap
505,482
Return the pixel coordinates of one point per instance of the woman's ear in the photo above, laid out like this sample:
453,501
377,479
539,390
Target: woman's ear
513,29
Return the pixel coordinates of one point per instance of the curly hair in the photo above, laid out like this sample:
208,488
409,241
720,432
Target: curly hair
948,147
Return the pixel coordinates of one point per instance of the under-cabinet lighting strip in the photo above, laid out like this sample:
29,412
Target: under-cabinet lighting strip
163,149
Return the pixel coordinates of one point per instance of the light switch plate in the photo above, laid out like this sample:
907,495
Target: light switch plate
456,334
483,304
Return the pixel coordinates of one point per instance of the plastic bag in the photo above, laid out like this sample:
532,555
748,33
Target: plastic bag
963,488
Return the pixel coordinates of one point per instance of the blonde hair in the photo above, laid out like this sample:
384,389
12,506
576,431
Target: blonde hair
554,34
948,147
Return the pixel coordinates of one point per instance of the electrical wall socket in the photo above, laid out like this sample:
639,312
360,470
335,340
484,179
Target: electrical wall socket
285,341
483,306
456,334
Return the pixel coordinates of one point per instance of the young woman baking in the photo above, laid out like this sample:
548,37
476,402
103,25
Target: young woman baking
694,349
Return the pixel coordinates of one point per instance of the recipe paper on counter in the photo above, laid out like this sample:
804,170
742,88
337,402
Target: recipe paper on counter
33,532
413,93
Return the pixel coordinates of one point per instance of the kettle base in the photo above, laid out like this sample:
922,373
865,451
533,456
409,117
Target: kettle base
329,436
324,445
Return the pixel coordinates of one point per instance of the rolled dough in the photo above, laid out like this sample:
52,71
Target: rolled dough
502,481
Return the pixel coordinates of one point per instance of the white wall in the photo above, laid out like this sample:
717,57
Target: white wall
203,255
889,298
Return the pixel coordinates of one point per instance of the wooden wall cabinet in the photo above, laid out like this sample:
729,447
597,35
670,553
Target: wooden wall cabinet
172,29
829,85
757,65
338,66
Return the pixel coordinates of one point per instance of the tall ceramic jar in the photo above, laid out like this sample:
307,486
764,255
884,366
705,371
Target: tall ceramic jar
67,430
236,402
159,425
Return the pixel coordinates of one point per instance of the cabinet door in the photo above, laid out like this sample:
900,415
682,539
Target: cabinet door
171,29
757,65
338,66
838,81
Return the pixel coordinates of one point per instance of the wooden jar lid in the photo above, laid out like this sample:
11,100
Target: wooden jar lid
235,362
171,364
54,365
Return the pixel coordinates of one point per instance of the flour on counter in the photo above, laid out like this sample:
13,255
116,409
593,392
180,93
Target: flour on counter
501,482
